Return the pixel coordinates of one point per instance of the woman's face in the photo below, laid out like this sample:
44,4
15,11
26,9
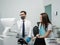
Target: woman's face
40,18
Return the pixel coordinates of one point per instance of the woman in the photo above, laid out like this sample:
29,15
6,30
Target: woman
45,28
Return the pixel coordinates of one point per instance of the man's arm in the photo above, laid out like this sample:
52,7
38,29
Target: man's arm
30,33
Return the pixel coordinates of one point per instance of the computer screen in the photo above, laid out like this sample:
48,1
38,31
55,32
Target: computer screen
9,22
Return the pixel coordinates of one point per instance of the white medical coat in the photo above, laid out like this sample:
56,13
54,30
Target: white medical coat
28,27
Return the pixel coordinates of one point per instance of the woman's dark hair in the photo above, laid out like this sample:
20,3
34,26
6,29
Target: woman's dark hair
45,19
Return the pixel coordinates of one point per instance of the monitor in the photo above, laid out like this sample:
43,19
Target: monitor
10,26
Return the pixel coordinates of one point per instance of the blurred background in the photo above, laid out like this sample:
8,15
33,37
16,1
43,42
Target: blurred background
12,8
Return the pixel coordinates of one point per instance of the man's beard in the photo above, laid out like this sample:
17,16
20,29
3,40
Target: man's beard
22,17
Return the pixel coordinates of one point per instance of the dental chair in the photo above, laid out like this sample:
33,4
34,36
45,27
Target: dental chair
8,36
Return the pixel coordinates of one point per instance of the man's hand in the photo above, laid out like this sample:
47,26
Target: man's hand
28,39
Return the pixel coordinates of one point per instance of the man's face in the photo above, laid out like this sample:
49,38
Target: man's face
22,15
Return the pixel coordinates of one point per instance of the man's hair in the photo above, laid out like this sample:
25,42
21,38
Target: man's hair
23,12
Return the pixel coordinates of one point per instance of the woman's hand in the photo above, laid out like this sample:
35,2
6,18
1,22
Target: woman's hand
38,36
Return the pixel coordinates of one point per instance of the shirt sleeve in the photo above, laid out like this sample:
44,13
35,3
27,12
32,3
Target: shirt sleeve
50,27
30,30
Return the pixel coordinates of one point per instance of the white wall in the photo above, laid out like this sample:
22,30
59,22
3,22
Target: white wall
11,8
55,7
1,27
0,9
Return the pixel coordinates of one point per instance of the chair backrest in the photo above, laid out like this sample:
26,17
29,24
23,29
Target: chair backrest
35,30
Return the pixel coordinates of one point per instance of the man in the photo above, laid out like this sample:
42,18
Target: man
24,27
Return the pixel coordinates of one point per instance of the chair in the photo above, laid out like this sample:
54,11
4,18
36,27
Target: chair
22,41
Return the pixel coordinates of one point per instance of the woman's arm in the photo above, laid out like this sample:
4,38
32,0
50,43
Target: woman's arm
49,30
46,35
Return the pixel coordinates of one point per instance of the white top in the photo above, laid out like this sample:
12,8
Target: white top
48,28
28,27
